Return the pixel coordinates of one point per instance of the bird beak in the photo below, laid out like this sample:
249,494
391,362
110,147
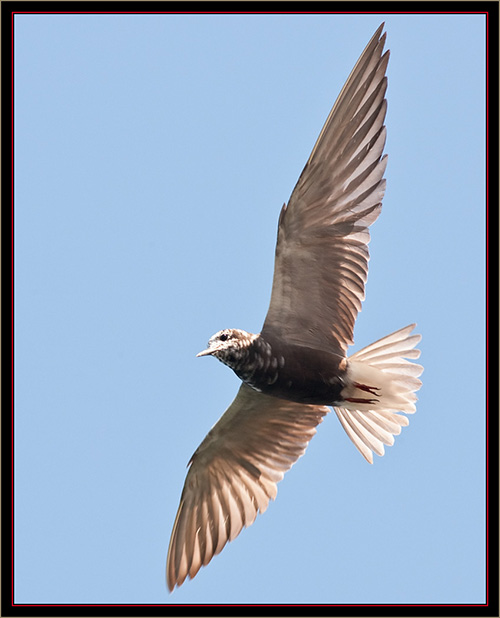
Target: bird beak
206,352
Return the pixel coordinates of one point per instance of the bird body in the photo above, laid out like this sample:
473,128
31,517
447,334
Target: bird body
280,369
297,367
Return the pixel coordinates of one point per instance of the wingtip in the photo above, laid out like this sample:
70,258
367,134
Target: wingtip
378,32
377,36
168,580
381,37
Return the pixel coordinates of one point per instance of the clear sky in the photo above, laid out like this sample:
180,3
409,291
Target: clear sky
153,154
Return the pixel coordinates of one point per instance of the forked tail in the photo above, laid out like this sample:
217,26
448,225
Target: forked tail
380,383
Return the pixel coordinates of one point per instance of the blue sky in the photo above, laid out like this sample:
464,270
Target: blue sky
152,156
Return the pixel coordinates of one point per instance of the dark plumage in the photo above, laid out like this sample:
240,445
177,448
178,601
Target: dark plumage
297,366
286,370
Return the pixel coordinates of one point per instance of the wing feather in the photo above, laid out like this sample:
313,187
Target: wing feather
321,261
233,475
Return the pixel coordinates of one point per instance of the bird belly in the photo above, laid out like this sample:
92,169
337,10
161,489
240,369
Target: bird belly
313,392
297,374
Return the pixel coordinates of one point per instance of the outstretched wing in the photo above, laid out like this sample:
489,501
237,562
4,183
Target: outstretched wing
321,261
234,473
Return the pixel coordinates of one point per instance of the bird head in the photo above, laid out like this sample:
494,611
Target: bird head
228,345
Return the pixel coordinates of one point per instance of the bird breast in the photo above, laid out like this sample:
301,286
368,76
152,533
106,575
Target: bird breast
292,372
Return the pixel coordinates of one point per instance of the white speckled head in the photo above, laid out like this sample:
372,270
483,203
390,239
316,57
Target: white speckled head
229,345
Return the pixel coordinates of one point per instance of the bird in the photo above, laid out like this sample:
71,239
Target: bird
297,369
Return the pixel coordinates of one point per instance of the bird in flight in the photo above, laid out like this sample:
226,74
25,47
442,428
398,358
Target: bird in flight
297,367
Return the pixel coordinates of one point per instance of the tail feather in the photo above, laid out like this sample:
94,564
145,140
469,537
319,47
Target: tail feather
403,367
380,383
402,421
375,349
386,422
374,428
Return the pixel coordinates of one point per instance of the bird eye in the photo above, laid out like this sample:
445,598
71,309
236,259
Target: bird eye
223,337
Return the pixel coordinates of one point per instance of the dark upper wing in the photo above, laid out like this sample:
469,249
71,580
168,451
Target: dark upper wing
233,475
322,256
